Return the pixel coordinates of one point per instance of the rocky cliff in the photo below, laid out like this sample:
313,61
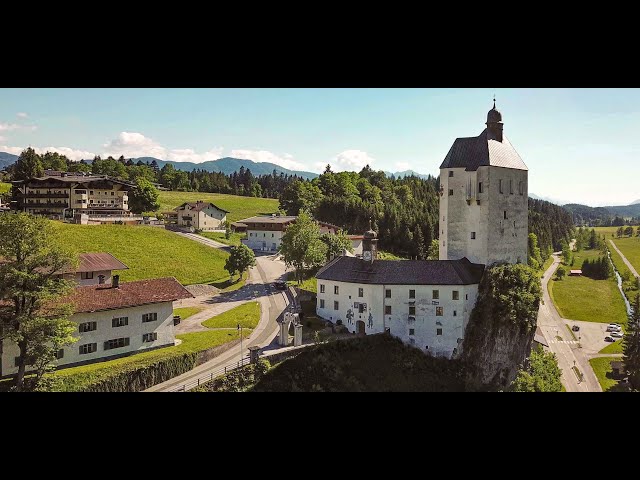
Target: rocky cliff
501,328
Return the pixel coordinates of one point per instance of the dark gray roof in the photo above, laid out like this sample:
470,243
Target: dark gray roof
473,152
402,272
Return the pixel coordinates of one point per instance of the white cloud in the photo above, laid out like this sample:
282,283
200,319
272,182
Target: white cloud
21,115
133,144
286,160
190,155
70,153
402,166
350,160
8,127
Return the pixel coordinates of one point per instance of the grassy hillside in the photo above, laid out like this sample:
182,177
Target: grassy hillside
239,207
377,363
582,298
4,187
149,252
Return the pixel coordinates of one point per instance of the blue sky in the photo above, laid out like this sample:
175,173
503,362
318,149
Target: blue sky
580,145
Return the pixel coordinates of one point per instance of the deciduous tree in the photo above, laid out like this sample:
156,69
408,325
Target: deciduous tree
144,197
560,273
32,312
28,165
336,243
301,245
541,374
631,345
241,258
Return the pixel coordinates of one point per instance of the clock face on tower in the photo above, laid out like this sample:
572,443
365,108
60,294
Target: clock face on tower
367,255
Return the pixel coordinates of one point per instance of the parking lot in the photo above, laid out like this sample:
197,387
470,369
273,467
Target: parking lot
591,335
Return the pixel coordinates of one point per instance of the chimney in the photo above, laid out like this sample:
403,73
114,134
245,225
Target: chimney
115,281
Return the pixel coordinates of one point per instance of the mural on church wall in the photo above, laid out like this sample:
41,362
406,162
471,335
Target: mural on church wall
370,324
350,316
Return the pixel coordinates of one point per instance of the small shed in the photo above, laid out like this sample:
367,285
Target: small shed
575,273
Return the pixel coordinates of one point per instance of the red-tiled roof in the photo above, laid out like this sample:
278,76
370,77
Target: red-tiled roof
95,262
93,298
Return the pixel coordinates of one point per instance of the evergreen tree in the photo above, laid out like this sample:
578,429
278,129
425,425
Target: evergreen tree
535,257
631,345
560,273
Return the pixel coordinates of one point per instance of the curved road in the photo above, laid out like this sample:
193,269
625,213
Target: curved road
272,304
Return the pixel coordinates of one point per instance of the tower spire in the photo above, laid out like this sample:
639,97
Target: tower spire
494,101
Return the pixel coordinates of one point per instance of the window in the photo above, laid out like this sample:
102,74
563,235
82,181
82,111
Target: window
119,322
272,235
473,235
86,275
412,341
322,288
87,348
336,305
149,337
521,187
90,192
387,309
322,303
264,234
479,187
438,331
336,289
455,313
439,311
60,354
451,173
361,292
466,297
514,224
412,294
387,293
112,194
149,317
412,310
412,331
251,234
116,343
511,186
505,214
455,295
451,192
87,327
436,294
500,186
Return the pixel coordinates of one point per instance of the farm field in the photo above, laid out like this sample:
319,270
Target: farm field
582,298
149,252
238,207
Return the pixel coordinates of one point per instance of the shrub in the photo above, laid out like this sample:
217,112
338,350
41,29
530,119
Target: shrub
339,322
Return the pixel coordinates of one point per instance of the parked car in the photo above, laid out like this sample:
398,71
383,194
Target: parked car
617,334
614,325
280,285
575,328
609,339
611,328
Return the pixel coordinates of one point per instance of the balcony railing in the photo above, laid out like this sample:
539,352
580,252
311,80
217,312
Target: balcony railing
46,195
46,204
105,205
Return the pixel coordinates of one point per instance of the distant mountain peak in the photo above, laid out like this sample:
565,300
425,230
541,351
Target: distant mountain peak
635,202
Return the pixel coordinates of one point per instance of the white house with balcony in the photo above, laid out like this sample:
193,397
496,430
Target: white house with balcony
201,215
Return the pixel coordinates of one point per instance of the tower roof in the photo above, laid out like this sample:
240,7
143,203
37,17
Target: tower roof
473,152
494,115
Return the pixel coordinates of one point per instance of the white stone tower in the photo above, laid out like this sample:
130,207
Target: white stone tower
484,198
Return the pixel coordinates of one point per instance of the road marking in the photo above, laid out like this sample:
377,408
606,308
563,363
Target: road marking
568,342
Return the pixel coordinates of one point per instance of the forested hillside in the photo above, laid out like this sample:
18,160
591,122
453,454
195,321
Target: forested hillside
551,224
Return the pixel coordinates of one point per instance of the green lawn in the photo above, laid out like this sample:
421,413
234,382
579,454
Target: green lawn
630,248
602,368
247,315
630,286
149,252
77,378
186,312
4,187
615,347
607,231
581,298
231,284
238,207
234,239
309,284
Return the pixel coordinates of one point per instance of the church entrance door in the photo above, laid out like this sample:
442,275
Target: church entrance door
360,327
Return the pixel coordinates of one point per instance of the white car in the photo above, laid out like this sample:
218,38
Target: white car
612,328
614,325
617,334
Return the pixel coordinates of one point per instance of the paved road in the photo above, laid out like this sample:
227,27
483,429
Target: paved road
624,259
201,239
568,353
273,302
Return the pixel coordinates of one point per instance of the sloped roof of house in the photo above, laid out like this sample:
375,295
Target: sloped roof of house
94,298
198,206
95,262
269,219
473,152
402,272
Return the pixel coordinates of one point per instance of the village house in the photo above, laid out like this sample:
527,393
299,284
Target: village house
201,215
264,232
428,303
114,318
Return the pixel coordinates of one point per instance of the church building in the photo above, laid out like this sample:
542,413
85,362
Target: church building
428,303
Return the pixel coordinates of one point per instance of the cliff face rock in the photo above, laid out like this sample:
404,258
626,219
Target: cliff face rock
502,325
